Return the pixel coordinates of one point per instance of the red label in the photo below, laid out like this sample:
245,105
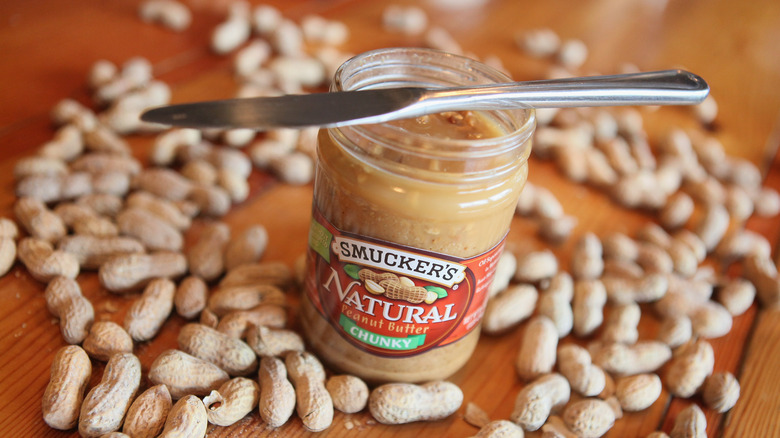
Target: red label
393,300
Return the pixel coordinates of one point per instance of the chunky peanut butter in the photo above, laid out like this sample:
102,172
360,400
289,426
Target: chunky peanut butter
416,201
456,125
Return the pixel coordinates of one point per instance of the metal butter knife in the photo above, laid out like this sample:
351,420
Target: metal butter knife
668,87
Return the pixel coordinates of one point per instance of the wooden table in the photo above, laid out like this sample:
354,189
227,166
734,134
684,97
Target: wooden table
48,46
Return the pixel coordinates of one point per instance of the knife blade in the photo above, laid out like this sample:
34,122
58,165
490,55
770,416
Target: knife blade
292,111
668,87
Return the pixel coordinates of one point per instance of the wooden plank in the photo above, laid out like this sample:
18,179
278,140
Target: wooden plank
756,412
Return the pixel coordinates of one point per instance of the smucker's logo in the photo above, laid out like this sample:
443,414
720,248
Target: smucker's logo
419,266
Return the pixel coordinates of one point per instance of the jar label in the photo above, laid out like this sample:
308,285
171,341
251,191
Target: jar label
392,300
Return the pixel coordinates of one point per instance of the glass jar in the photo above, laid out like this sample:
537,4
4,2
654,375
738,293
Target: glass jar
409,222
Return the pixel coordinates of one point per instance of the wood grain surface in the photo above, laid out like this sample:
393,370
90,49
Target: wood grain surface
48,46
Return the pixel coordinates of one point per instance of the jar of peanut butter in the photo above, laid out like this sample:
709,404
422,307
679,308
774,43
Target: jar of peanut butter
408,222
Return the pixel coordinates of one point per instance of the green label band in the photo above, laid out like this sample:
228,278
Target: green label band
319,240
380,341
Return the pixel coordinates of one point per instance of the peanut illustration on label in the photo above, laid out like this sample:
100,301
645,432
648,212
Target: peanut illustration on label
397,288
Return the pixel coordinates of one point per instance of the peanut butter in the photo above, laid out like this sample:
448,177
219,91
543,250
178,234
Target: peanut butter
409,220
456,125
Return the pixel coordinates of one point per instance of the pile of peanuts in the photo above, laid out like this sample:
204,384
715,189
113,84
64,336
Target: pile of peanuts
86,204
610,280
616,276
